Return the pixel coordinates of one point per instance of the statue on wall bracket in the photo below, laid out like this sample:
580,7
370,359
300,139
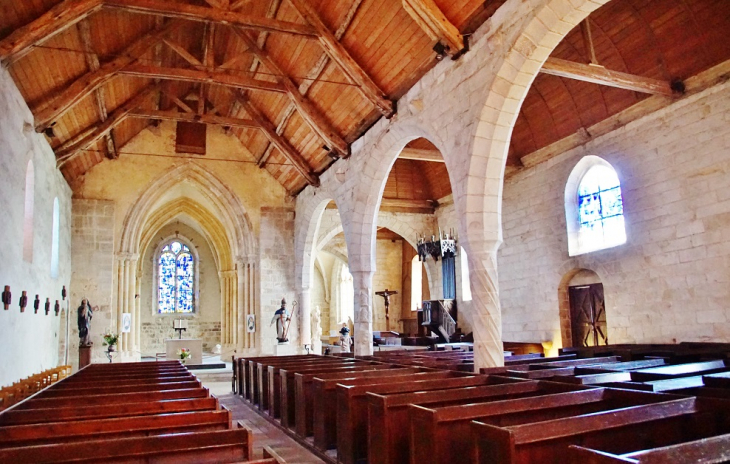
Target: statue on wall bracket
281,317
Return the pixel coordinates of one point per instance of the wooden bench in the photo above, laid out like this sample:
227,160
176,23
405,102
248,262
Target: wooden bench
220,446
706,451
443,434
547,363
129,388
112,398
115,427
678,370
619,431
246,375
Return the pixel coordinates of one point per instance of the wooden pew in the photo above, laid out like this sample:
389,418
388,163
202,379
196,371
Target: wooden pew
620,431
302,404
443,434
219,446
388,412
245,364
254,365
71,413
112,398
116,427
547,363
706,451
352,404
678,370
324,399
123,388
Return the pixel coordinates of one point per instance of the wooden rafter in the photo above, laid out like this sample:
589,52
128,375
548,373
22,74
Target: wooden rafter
401,204
603,76
296,159
223,78
57,19
432,21
89,82
208,62
421,154
73,147
182,52
193,117
342,57
211,15
309,112
585,28
311,78
92,61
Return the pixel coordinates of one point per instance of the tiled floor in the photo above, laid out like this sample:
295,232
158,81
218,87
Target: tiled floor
264,433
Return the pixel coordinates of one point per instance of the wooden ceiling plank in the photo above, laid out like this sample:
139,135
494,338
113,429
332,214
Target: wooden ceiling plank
308,111
603,76
89,82
184,54
73,147
193,117
299,163
211,15
181,104
57,19
342,57
421,154
208,77
432,21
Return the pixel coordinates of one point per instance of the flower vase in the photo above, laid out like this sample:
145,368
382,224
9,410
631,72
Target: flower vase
112,348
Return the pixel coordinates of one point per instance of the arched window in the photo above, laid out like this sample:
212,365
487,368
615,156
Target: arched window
594,207
28,213
55,239
416,283
176,277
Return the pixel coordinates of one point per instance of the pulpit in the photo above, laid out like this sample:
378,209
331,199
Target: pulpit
172,346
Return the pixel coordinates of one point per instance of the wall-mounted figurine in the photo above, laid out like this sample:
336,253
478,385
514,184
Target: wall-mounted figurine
36,304
48,306
57,307
7,297
23,301
63,293
85,313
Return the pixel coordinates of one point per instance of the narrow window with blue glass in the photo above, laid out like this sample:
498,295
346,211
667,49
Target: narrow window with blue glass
176,277
600,210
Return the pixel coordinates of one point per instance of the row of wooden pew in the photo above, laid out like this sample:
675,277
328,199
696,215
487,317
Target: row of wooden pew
398,410
26,387
133,412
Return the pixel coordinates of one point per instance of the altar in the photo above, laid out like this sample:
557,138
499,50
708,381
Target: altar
194,345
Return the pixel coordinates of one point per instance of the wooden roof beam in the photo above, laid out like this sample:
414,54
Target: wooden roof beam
308,111
76,145
209,119
600,75
421,154
211,15
415,206
296,159
337,52
57,19
223,78
432,21
89,82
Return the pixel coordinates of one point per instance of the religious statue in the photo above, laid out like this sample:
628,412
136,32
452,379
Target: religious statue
386,296
85,313
345,340
281,317
316,330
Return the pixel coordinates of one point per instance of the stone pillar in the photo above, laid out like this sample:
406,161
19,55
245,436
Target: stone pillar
229,297
363,333
126,264
305,327
487,314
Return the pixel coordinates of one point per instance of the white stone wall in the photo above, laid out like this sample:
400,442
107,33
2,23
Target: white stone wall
389,274
92,248
276,246
669,282
205,323
29,342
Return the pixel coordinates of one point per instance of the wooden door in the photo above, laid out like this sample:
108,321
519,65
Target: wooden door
588,315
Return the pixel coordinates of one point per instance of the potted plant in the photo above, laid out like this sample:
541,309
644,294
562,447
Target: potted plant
110,340
184,354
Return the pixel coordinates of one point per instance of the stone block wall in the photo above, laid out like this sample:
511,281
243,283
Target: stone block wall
669,281
156,331
29,342
388,274
276,245
92,247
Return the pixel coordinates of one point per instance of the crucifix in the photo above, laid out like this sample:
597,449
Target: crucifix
386,296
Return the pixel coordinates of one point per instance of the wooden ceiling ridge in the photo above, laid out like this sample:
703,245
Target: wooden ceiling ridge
92,80
434,23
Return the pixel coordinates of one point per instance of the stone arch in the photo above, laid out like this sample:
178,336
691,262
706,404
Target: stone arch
588,276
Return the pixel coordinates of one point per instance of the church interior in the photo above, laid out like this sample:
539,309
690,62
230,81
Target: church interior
496,201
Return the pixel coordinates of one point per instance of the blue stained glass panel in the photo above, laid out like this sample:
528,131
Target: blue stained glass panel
176,277
600,209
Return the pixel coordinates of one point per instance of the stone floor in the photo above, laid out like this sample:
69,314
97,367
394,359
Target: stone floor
264,433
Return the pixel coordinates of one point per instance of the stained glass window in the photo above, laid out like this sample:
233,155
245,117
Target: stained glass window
176,274
600,209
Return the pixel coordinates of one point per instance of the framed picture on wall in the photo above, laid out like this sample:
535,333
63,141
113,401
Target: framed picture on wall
126,322
250,323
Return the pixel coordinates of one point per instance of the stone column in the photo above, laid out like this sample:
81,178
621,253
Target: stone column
126,264
487,314
305,326
363,333
229,290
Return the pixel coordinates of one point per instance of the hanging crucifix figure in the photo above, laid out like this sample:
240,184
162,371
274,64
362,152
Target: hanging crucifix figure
386,296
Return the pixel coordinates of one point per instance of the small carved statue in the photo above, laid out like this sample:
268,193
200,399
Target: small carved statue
47,306
7,297
345,339
281,317
36,303
85,313
23,301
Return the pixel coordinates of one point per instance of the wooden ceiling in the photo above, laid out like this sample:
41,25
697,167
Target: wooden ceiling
295,80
